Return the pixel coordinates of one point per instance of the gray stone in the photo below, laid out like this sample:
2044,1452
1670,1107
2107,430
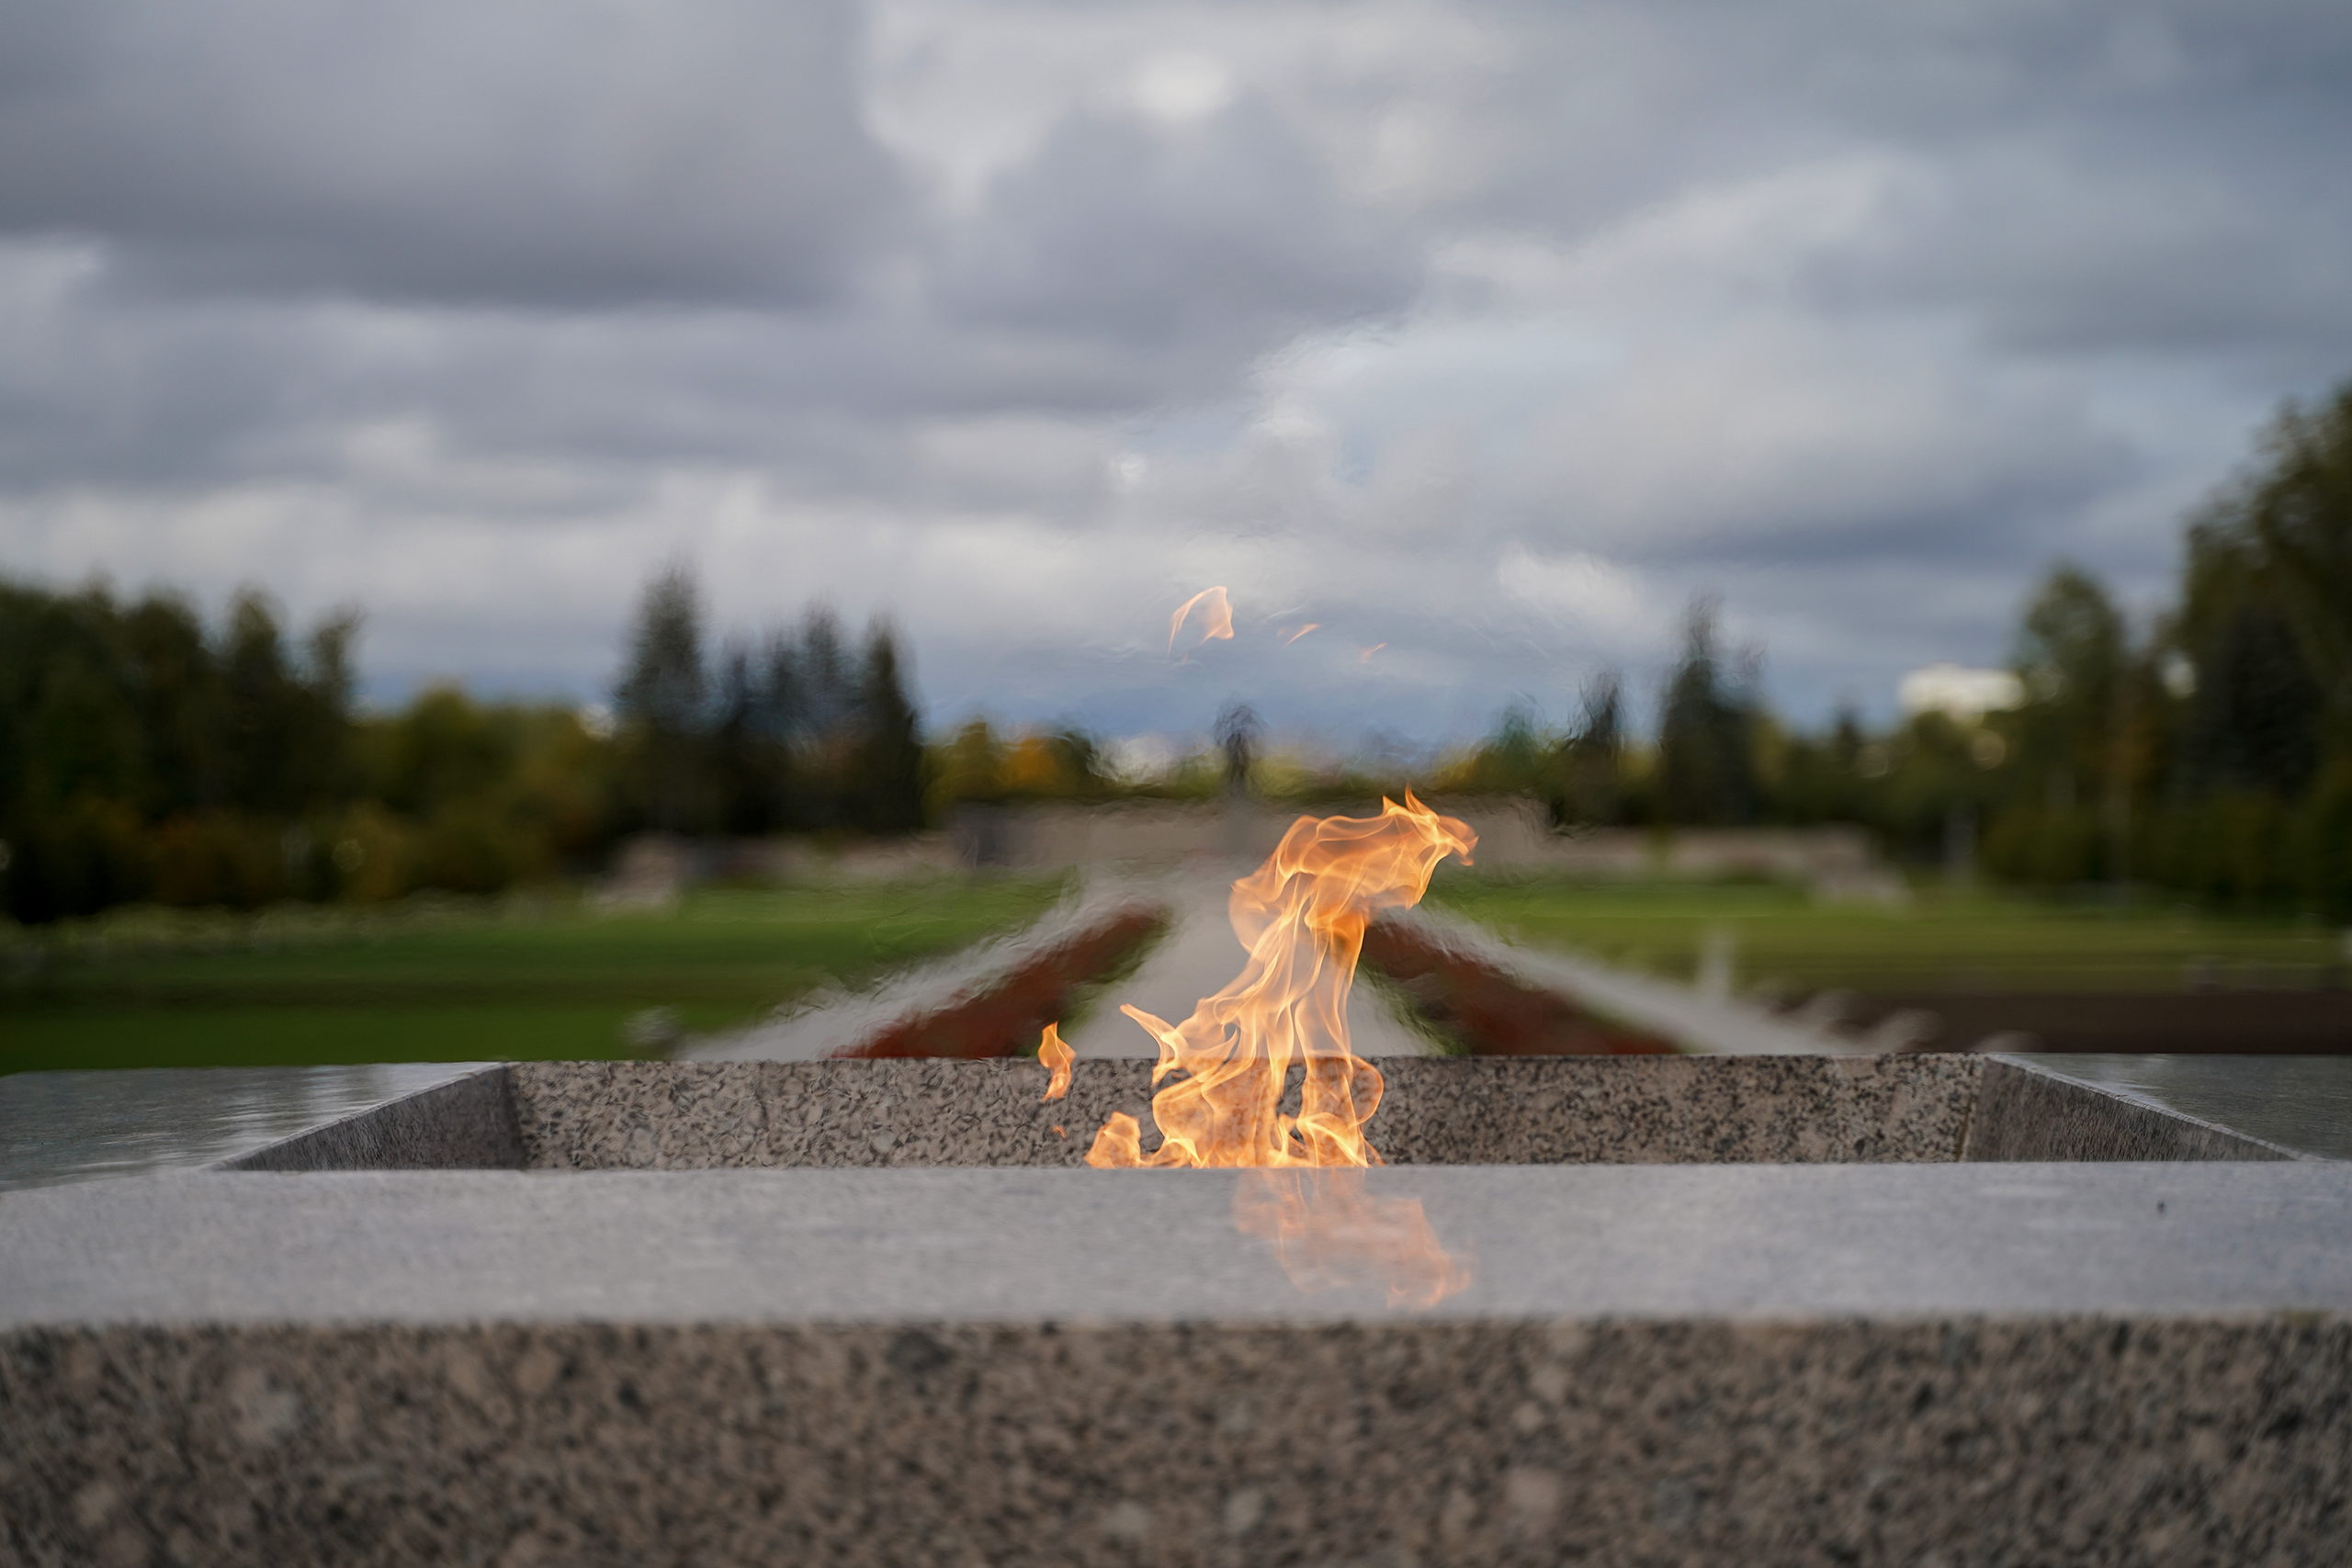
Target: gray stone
2025,1111
467,1123
2300,1102
1557,1241
1436,1110
1997,1364
89,1126
1746,1310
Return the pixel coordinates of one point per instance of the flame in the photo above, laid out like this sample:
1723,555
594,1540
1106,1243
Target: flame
1215,610
1057,1056
1223,1071
1310,626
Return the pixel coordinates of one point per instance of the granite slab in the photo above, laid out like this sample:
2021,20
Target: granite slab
2303,1103
1748,1310
97,1125
2115,1363
465,1123
1548,1241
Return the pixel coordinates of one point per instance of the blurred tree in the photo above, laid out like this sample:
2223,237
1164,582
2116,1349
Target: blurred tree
2253,713
178,704
751,740
2264,629
662,700
2070,657
116,722
443,751
1591,763
2296,510
284,719
891,780
1082,759
970,766
829,691
1820,776
1706,761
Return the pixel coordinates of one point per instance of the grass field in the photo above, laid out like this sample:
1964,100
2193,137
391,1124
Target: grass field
1780,937
463,984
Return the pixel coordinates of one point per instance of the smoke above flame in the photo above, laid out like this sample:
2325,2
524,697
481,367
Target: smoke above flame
1225,1073
1216,615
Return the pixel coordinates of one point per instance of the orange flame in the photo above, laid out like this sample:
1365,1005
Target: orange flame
1057,1056
1215,610
1225,1070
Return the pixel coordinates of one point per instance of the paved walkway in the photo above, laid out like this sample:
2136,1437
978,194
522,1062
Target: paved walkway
1724,1026
830,1019
1199,955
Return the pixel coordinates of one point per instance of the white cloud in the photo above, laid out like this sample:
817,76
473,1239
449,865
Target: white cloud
1182,85
1604,602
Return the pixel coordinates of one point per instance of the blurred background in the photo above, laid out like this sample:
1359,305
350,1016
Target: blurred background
560,530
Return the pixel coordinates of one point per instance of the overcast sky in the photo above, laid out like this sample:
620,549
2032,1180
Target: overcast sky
1481,335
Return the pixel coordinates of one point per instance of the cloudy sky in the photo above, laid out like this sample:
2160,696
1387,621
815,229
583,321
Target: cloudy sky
1481,335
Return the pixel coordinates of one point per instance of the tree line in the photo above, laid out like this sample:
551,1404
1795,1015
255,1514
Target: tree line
797,732
145,755
2208,754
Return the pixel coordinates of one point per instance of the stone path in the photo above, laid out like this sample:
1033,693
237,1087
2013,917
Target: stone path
1200,954
1692,1018
829,1020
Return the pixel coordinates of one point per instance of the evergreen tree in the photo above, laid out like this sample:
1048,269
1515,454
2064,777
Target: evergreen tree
662,700
2071,658
748,747
1706,754
124,731
2298,511
1591,776
892,780
2266,619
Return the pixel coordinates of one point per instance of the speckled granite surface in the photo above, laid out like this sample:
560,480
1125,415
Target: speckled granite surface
1701,1110
713,1115
1437,1110
1947,1443
1698,1333
1954,1364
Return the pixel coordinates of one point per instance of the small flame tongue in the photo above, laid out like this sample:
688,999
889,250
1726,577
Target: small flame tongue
1224,1070
1057,1057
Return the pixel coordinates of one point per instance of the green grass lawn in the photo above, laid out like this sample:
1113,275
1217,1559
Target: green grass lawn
550,981
1781,938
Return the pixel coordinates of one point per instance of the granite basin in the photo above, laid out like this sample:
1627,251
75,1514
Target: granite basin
589,1116
1914,1309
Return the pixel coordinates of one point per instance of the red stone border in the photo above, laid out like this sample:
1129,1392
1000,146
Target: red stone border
1489,1012
1006,1018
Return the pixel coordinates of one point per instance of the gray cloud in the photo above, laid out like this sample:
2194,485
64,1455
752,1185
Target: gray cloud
541,152
1487,332
1223,228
